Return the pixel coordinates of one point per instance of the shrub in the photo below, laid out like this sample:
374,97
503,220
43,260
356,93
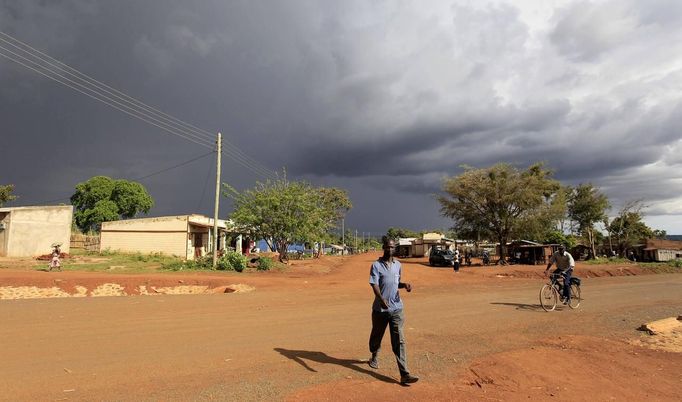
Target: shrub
205,262
264,264
236,260
223,264
107,251
174,266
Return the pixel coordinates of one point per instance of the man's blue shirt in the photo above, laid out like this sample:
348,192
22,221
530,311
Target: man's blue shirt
386,275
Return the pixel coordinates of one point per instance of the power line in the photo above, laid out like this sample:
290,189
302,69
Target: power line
139,178
159,117
108,89
203,192
123,102
197,141
175,166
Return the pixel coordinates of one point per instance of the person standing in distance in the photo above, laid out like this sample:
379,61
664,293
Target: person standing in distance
564,266
387,309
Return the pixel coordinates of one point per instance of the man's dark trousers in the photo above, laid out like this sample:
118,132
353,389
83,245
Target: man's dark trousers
567,282
394,320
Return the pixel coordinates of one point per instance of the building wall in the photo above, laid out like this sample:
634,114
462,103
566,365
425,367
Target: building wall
4,223
30,231
167,235
169,243
667,255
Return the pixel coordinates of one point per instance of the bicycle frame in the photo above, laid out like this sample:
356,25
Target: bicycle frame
555,284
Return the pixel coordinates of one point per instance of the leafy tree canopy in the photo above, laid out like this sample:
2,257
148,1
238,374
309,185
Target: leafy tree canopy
497,199
539,223
288,212
587,206
628,228
557,237
397,233
6,194
660,234
101,199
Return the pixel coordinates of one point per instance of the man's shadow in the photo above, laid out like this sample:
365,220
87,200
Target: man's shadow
522,306
300,357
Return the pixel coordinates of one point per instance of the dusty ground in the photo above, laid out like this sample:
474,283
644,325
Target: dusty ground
302,335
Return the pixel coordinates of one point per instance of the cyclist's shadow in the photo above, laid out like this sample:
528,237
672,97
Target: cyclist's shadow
522,306
299,355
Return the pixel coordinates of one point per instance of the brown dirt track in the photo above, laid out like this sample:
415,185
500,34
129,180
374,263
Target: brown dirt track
302,335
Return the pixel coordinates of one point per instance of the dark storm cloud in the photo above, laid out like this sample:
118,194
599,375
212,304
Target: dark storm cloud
423,149
381,98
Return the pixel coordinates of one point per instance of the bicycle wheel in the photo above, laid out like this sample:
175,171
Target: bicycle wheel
575,296
548,298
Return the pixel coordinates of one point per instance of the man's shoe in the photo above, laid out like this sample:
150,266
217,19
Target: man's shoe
373,362
408,379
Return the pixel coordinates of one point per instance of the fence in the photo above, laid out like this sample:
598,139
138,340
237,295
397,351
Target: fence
85,242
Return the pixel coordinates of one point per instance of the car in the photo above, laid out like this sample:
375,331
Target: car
441,257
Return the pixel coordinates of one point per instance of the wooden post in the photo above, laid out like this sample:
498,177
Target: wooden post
219,142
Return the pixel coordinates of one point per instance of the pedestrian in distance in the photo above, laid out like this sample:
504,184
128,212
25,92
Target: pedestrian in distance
387,310
54,261
456,261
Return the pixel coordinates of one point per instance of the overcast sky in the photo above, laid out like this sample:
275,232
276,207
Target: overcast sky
383,98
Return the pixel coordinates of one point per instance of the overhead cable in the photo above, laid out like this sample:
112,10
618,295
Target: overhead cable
62,80
112,91
51,68
139,178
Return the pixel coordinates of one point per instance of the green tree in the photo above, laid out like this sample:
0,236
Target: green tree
660,234
558,237
101,199
540,223
334,203
397,233
287,212
497,198
6,194
587,206
628,227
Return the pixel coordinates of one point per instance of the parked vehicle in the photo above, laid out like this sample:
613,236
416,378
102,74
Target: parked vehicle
441,257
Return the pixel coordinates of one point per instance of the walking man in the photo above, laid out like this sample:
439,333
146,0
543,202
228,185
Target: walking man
455,261
564,266
387,310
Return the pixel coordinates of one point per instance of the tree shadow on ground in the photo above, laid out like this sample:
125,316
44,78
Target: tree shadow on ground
522,306
300,357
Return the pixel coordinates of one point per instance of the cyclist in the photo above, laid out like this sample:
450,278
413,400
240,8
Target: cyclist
486,257
564,267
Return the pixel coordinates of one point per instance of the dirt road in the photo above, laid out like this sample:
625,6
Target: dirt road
303,336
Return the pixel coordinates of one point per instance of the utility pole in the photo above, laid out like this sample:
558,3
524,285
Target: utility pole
343,236
219,142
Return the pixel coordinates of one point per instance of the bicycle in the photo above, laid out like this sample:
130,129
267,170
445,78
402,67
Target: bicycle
551,292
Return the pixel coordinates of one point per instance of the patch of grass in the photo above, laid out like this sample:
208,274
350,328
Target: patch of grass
668,267
232,261
114,262
672,266
203,263
610,261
